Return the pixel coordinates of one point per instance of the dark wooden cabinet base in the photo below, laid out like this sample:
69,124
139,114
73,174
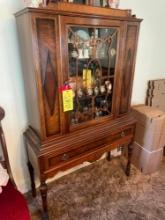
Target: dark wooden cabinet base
50,160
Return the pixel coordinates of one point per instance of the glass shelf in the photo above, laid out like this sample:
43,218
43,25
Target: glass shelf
92,59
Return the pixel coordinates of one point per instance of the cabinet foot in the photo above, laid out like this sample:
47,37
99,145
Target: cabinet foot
128,167
31,172
109,156
45,216
43,190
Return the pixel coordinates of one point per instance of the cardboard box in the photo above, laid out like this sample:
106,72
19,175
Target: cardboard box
146,161
158,101
155,92
158,84
150,128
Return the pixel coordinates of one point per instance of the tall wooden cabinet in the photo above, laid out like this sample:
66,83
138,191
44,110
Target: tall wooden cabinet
88,52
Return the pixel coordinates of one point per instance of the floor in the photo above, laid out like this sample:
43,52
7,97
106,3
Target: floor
101,191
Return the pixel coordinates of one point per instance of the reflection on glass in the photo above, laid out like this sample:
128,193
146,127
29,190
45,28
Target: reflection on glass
92,58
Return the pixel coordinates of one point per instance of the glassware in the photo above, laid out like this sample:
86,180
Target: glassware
96,90
113,3
74,54
102,89
89,91
32,3
80,92
80,53
86,53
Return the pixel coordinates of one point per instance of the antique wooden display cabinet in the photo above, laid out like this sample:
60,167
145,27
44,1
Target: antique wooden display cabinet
78,65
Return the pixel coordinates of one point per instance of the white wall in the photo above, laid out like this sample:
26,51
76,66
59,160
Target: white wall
11,89
150,65
150,57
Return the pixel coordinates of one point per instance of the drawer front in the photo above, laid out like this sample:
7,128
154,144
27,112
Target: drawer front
52,161
71,154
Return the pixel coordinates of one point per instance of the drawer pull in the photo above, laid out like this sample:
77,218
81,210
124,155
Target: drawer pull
65,157
122,134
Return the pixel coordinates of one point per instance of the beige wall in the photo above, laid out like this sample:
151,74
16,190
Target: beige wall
150,56
150,65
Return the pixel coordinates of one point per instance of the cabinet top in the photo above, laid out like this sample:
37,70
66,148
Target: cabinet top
70,9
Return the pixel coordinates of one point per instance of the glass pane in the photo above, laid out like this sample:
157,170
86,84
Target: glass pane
92,58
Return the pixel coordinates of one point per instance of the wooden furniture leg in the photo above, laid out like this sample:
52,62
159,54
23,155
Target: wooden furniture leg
31,172
128,168
43,190
109,156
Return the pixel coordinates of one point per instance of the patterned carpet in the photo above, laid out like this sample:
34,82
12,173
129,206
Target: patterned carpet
101,191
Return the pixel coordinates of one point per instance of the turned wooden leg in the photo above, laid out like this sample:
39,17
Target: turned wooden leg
43,190
31,172
109,156
128,168
31,169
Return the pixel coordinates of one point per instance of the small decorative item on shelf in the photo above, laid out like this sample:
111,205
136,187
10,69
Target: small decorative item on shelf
89,91
108,86
96,90
102,89
74,53
101,52
107,82
80,92
80,53
32,3
46,2
113,52
86,52
113,3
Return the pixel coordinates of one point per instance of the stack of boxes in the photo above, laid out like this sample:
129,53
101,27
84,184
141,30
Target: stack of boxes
149,138
156,94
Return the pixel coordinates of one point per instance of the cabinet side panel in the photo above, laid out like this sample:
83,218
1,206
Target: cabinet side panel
46,36
128,67
26,53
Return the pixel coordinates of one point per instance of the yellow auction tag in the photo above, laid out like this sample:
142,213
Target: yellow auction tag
67,97
87,78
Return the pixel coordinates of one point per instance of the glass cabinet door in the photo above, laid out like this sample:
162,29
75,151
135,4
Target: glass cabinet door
92,59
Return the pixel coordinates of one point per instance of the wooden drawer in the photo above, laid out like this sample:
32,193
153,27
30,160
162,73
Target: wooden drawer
52,161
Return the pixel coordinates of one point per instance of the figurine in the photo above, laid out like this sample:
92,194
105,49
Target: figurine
96,90
86,53
108,86
74,53
113,3
107,82
80,92
89,91
102,89
32,3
